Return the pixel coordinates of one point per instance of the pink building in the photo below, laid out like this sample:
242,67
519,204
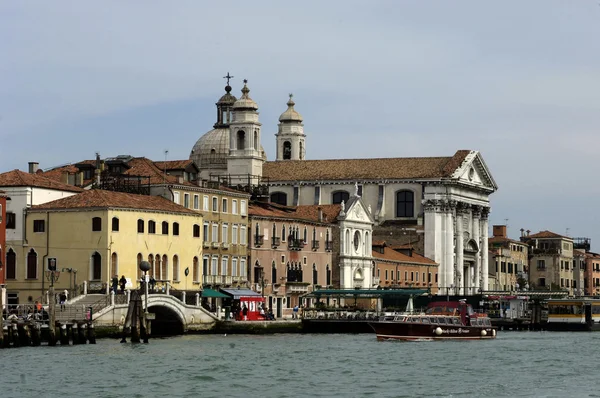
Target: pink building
290,252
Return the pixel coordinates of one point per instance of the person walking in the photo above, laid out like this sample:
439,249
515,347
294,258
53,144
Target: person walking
295,312
123,283
63,300
245,312
115,283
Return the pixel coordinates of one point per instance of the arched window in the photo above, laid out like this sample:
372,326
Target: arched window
241,139
151,261
339,197
347,242
279,197
256,140
305,238
165,228
115,224
114,264
301,154
283,237
175,229
405,204
156,267
139,271
196,231
273,272
274,230
164,268
32,264
287,150
366,248
315,275
96,224
175,268
328,275
140,226
96,266
11,265
195,270
151,227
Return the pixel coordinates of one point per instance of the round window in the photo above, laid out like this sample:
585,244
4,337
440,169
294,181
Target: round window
356,240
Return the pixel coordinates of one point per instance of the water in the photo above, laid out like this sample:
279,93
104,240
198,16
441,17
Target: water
523,364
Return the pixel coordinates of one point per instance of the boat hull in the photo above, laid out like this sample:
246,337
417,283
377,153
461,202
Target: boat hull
419,332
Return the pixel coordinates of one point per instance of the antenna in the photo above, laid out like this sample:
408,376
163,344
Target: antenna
567,232
506,222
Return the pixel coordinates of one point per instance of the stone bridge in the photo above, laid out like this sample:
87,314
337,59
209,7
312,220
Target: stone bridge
172,315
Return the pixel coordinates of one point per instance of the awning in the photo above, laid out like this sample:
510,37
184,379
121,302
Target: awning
213,293
238,293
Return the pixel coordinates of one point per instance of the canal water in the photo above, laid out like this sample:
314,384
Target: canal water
517,364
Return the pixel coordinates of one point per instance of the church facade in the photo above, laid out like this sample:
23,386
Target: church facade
445,198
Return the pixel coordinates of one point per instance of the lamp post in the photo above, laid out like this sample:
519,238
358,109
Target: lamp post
145,267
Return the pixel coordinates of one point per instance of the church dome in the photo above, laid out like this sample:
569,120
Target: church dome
290,115
227,98
245,102
212,150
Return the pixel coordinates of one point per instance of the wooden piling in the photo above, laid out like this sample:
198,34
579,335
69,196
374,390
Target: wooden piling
6,342
1,335
36,335
75,333
91,334
82,329
64,337
14,330
25,335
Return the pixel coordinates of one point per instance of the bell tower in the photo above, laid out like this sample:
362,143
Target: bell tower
246,158
290,134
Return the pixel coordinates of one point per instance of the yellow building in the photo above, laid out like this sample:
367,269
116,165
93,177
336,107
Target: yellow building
100,234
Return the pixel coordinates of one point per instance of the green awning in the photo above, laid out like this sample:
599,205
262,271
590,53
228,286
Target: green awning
213,293
372,293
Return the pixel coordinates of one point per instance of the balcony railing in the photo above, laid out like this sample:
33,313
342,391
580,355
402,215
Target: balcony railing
295,244
259,240
315,245
328,245
215,245
225,245
275,241
217,279
206,244
298,287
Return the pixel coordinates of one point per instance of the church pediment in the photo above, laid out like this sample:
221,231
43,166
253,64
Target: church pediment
474,171
355,210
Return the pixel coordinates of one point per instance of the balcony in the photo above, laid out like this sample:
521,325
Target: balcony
259,240
206,244
315,245
328,245
295,244
215,245
275,242
225,245
375,280
217,279
296,287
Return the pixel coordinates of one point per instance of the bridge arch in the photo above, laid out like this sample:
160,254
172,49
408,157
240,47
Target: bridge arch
170,319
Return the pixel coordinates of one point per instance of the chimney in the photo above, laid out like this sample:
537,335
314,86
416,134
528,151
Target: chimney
71,179
79,180
522,232
499,231
33,167
64,177
320,214
528,231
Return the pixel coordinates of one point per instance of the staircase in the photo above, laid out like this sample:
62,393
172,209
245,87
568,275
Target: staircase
78,310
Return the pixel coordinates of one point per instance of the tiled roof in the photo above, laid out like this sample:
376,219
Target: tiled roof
57,173
353,169
99,198
306,213
18,178
500,239
174,164
546,234
392,255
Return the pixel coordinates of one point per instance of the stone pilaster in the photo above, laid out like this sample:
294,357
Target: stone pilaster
484,249
461,210
476,228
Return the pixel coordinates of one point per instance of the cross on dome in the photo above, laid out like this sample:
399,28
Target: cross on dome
228,77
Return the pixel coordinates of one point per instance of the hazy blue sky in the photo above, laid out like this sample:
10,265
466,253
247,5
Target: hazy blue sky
517,80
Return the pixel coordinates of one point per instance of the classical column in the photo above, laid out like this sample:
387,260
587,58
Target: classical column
460,246
476,272
449,245
434,226
484,248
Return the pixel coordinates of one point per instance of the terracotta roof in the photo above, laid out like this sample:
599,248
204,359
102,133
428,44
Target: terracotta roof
147,168
392,255
546,234
57,173
501,239
306,213
18,178
353,169
174,164
378,243
99,198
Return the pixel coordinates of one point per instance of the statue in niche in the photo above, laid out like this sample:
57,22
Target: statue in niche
343,205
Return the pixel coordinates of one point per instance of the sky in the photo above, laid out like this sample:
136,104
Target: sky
518,81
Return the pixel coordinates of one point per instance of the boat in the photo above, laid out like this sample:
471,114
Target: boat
570,315
443,320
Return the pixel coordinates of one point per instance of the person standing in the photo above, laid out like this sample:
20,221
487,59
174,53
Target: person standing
115,283
295,313
245,312
63,300
123,283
